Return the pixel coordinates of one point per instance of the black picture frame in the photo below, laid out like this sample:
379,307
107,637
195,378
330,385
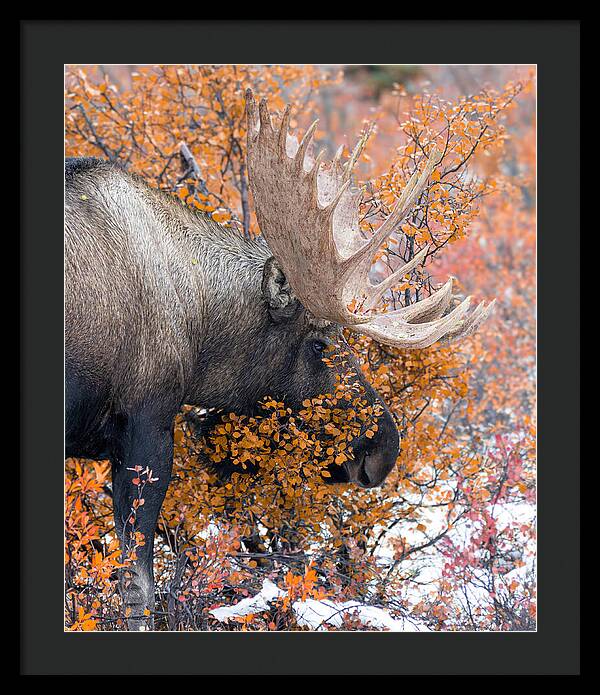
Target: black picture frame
45,47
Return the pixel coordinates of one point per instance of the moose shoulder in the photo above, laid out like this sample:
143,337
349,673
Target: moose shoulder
163,307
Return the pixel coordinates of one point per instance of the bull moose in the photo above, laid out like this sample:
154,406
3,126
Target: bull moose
165,307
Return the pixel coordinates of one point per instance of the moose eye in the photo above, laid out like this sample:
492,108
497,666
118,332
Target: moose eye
318,347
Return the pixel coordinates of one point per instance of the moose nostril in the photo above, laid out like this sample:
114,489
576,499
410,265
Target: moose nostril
376,467
363,477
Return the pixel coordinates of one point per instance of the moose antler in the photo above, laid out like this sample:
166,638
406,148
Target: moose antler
309,215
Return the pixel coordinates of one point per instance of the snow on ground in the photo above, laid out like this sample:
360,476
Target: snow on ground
316,615
427,566
254,604
427,569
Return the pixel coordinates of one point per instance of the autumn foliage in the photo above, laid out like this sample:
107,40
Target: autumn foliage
448,542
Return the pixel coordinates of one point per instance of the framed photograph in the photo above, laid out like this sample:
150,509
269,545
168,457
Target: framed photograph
294,338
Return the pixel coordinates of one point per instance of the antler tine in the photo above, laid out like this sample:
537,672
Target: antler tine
377,292
357,151
392,329
417,182
251,114
308,213
283,131
338,155
316,164
431,307
304,143
266,126
480,314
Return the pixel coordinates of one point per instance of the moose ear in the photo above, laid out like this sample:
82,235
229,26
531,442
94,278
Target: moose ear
277,293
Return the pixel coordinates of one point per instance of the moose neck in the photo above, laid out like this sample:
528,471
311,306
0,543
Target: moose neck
230,315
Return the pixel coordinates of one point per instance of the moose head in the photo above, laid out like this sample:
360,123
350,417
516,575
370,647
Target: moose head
316,283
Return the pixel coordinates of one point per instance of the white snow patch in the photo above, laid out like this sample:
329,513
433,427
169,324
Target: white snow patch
317,614
254,604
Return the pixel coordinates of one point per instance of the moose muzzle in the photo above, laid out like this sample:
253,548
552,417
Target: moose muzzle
374,458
